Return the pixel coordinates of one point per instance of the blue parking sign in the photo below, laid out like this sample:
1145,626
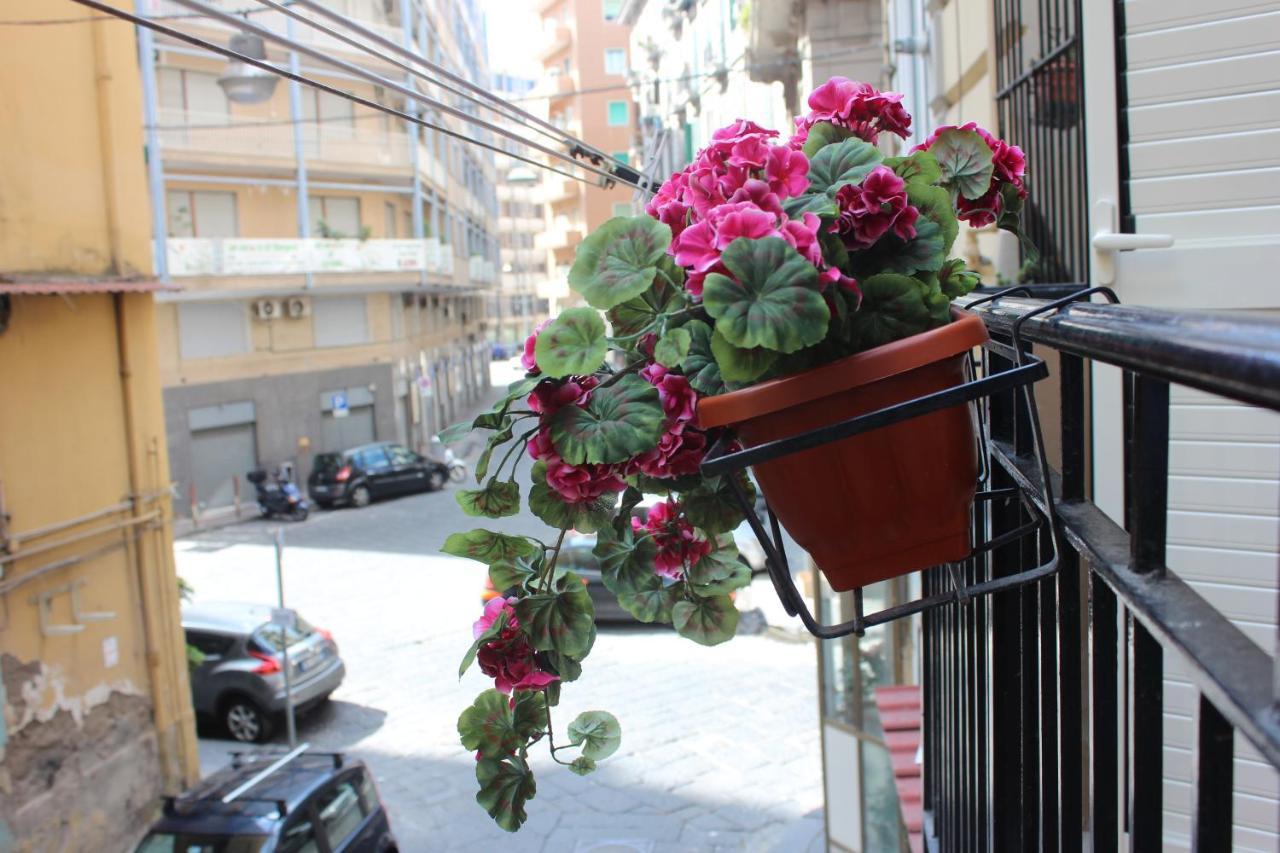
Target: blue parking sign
338,402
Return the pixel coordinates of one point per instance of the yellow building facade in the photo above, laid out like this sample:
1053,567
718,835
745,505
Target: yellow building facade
97,719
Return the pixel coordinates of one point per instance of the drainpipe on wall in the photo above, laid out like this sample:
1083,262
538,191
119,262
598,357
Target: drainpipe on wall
155,164
406,30
299,149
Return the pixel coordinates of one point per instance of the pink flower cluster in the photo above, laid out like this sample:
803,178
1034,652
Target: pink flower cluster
735,188
682,446
858,107
574,483
527,360
679,546
508,658
1010,168
874,207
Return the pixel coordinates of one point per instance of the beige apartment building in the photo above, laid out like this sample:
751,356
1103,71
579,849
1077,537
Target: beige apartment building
586,60
335,262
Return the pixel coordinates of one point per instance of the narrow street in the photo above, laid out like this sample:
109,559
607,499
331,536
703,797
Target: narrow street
720,745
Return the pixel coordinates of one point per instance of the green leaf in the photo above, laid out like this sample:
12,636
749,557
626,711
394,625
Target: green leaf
819,204
597,732
619,260
822,134
621,421
922,252
845,162
716,566
530,713
497,499
454,433
489,547
893,307
630,317
920,168
559,622
505,786
965,161
582,765
707,621
488,726
740,365
955,280
774,301
493,631
498,438
650,605
711,506
700,365
569,669
740,577
573,344
672,349
513,574
546,503
935,204
626,566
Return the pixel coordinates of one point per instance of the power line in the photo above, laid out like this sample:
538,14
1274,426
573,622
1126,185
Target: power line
299,78
173,16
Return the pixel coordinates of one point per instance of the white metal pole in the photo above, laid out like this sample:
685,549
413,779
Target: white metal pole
290,724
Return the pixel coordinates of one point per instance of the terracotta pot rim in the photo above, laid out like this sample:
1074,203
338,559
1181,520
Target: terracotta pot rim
965,332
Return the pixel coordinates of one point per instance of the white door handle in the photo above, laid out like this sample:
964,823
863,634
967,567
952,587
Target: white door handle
1107,241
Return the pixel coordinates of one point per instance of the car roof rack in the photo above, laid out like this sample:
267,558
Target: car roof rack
239,754
171,803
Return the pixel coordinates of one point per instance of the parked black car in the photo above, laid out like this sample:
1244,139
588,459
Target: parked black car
300,802
362,474
239,681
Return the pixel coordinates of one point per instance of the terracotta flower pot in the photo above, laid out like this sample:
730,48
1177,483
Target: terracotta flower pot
885,502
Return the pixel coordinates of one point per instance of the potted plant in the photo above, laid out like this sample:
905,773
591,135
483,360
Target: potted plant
772,287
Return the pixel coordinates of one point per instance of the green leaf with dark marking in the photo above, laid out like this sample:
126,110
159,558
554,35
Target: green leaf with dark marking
573,344
738,365
893,307
560,622
844,162
671,350
965,162
498,499
582,765
499,438
740,577
488,726
822,134
621,421
935,204
489,547
717,565
619,260
712,508
922,253
529,715
514,574
651,604
707,621
919,168
626,565
772,300
700,365
505,786
597,732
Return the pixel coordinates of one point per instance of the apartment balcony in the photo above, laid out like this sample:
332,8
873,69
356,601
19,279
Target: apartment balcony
560,237
556,189
197,139
559,38
283,257
481,270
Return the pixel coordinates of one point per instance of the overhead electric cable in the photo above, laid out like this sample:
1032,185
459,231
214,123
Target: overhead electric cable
315,84
630,177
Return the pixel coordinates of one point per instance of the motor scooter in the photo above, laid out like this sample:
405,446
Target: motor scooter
278,497
456,465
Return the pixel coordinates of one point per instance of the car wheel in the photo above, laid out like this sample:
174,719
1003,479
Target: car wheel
435,481
360,496
245,721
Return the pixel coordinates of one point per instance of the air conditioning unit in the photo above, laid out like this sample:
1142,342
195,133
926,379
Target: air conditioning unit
297,307
266,309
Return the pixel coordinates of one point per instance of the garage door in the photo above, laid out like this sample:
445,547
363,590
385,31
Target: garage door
217,455
340,433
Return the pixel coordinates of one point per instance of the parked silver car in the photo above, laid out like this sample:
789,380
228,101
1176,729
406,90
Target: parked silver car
238,680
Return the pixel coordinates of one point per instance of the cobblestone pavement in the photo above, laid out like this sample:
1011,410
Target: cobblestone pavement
720,745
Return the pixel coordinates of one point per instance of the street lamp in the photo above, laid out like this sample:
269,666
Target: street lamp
243,83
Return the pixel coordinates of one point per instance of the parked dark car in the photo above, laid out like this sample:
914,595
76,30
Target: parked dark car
358,476
301,802
240,683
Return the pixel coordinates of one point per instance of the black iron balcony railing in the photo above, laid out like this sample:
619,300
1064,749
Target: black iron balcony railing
1044,706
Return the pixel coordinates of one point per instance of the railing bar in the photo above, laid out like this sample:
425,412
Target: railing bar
1225,664
1103,716
1071,685
1050,794
1032,712
1146,799
1148,480
1215,748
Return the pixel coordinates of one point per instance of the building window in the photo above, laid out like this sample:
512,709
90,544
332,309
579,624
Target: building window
340,321
615,60
622,208
389,212
212,329
623,157
334,217
618,113
611,9
335,114
193,94
200,213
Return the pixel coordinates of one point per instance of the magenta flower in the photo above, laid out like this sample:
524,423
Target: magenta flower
742,219
679,400
855,106
679,453
526,360
759,193
582,483
679,546
551,395
802,234
508,658
668,206
787,171
871,209
695,249
1010,167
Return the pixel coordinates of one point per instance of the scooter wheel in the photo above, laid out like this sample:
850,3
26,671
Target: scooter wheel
300,514
457,473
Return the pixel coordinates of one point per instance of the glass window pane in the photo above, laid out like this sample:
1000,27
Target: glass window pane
618,113
340,813
205,96
300,838
177,205
623,157
374,459
611,9
615,60
400,455
215,214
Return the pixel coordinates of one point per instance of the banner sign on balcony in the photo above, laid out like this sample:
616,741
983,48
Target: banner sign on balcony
244,256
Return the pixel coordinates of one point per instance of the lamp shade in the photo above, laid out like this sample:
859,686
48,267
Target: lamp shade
243,83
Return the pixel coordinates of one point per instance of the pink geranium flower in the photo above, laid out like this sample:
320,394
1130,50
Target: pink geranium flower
679,546
582,483
873,208
508,658
679,453
527,360
787,171
679,400
855,106
551,395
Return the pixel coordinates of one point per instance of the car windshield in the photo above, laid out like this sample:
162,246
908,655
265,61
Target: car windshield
182,842
268,637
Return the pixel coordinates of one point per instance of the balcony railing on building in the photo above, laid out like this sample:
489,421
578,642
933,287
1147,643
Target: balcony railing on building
242,256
